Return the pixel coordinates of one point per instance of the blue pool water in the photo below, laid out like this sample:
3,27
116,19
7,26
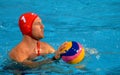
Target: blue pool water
95,24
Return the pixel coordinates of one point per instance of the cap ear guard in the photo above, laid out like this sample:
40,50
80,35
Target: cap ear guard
25,23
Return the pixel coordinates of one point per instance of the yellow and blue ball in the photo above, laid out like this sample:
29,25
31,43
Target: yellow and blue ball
74,53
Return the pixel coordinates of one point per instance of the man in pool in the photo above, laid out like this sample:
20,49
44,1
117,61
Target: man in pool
30,47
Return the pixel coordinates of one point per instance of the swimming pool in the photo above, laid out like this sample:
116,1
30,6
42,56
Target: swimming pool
95,24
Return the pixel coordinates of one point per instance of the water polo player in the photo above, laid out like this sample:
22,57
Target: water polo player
30,47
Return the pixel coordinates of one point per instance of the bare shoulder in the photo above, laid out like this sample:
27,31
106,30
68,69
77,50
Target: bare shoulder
44,43
48,47
12,53
17,54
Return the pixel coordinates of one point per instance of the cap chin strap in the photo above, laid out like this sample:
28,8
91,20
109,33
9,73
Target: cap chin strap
38,50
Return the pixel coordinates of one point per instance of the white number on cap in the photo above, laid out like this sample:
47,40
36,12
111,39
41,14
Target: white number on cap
32,13
23,18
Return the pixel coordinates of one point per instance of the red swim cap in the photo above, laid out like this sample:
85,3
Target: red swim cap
25,23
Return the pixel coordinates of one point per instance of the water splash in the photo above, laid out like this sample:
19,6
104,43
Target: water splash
92,51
